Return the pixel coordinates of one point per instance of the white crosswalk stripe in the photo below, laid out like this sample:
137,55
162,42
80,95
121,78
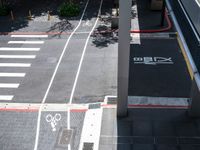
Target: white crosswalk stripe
18,56
30,36
9,85
14,51
26,42
18,49
6,97
4,74
15,65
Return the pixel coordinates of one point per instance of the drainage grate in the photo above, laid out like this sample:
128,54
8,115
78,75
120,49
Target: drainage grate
65,137
88,146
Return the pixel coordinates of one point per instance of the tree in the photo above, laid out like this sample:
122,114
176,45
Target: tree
2,3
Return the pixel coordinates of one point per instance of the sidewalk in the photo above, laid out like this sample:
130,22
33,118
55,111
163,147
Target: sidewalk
159,91
150,129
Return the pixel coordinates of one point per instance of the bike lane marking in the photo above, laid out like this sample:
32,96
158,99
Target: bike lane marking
52,78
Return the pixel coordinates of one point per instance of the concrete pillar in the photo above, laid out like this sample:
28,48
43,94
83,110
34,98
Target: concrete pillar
194,110
123,55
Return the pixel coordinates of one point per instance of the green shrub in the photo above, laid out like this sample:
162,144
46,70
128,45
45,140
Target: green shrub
4,10
69,10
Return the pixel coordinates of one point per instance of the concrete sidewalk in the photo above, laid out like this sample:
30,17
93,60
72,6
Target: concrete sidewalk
150,129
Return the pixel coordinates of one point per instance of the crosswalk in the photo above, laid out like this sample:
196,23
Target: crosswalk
21,48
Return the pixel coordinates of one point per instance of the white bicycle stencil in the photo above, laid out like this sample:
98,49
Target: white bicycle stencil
53,120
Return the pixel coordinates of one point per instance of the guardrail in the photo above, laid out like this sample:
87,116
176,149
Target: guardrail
195,90
191,9
189,20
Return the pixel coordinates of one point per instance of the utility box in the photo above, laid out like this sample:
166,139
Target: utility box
156,4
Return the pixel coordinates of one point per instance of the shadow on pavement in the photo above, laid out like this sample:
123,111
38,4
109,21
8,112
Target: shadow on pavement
158,129
103,35
39,11
103,39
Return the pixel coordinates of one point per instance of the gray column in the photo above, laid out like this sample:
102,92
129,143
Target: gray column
194,110
123,55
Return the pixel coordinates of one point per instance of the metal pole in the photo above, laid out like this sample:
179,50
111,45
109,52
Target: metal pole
123,56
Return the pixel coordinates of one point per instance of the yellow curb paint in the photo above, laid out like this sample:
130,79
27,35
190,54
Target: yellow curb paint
185,57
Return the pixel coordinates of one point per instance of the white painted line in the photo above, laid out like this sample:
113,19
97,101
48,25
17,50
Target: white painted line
163,101
4,74
18,56
14,65
53,107
91,128
9,85
26,42
96,139
18,49
6,97
82,56
52,79
77,76
30,36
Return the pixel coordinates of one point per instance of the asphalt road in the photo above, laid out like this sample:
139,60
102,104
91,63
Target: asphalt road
158,69
97,74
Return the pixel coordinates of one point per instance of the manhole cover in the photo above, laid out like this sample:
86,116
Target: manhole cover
65,137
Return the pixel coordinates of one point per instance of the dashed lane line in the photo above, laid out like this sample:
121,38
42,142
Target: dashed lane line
18,49
26,42
30,36
18,56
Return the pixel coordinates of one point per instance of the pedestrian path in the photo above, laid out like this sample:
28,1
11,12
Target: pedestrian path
17,55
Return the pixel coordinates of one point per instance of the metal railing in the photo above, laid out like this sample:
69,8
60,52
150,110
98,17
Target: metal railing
195,90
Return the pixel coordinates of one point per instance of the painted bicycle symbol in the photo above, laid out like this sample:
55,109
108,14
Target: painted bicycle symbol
53,120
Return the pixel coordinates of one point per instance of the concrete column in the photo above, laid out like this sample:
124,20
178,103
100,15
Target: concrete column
194,110
123,55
